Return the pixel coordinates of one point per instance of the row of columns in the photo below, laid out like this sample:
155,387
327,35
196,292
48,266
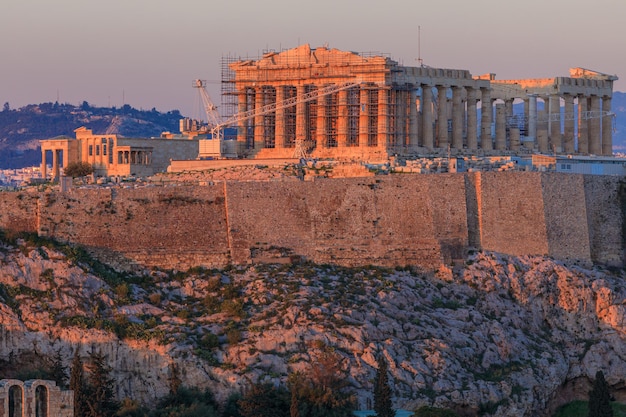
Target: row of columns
56,159
592,123
345,119
134,157
402,118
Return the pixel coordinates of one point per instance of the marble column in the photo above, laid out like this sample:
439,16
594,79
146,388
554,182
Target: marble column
554,116
242,106
383,117
279,129
55,164
259,131
44,169
472,121
515,138
301,122
342,118
568,132
427,116
532,120
595,140
364,112
322,110
583,128
500,126
486,141
442,116
457,118
413,124
607,128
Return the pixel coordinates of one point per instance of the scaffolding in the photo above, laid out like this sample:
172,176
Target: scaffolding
261,110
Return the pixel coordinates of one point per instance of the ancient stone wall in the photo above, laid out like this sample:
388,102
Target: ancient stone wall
18,211
510,214
171,226
565,211
605,218
35,398
384,220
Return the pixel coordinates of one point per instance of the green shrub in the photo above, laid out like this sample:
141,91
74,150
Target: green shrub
209,341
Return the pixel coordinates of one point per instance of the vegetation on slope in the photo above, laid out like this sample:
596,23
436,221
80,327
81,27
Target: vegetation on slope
493,335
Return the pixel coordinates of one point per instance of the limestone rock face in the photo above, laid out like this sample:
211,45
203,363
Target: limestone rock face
505,334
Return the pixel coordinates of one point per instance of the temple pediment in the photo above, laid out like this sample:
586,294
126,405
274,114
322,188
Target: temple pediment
579,72
304,55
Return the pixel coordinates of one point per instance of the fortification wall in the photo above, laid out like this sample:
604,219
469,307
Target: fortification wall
605,218
565,210
510,215
172,227
391,220
18,211
385,221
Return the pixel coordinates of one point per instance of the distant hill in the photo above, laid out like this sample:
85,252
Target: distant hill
21,129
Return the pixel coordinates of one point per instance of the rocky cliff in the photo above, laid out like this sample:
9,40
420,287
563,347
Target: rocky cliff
504,335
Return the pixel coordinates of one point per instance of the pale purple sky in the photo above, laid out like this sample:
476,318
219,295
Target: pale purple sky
146,53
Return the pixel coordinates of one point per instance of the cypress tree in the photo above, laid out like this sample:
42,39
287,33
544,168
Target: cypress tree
58,372
382,391
78,385
599,398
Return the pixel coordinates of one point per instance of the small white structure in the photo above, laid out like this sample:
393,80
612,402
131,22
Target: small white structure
594,165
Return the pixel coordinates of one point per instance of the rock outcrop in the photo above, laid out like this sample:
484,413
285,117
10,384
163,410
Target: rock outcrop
505,335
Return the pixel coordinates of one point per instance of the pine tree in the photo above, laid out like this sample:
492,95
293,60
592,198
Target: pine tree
599,398
382,391
58,372
101,402
265,400
78,385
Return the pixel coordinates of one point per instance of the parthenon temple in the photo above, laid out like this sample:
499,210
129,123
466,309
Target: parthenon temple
367,106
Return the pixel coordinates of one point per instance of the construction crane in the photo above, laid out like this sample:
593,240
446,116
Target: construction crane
212,115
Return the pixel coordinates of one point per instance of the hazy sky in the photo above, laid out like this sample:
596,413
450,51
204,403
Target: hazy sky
146,53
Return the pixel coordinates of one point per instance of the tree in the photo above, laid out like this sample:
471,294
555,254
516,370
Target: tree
599,398
322,391
78,385
265,400
187,402
101,399
58,372
6,107
231,408
382,391
78,169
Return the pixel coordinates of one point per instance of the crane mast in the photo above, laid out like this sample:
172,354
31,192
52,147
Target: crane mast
212,115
